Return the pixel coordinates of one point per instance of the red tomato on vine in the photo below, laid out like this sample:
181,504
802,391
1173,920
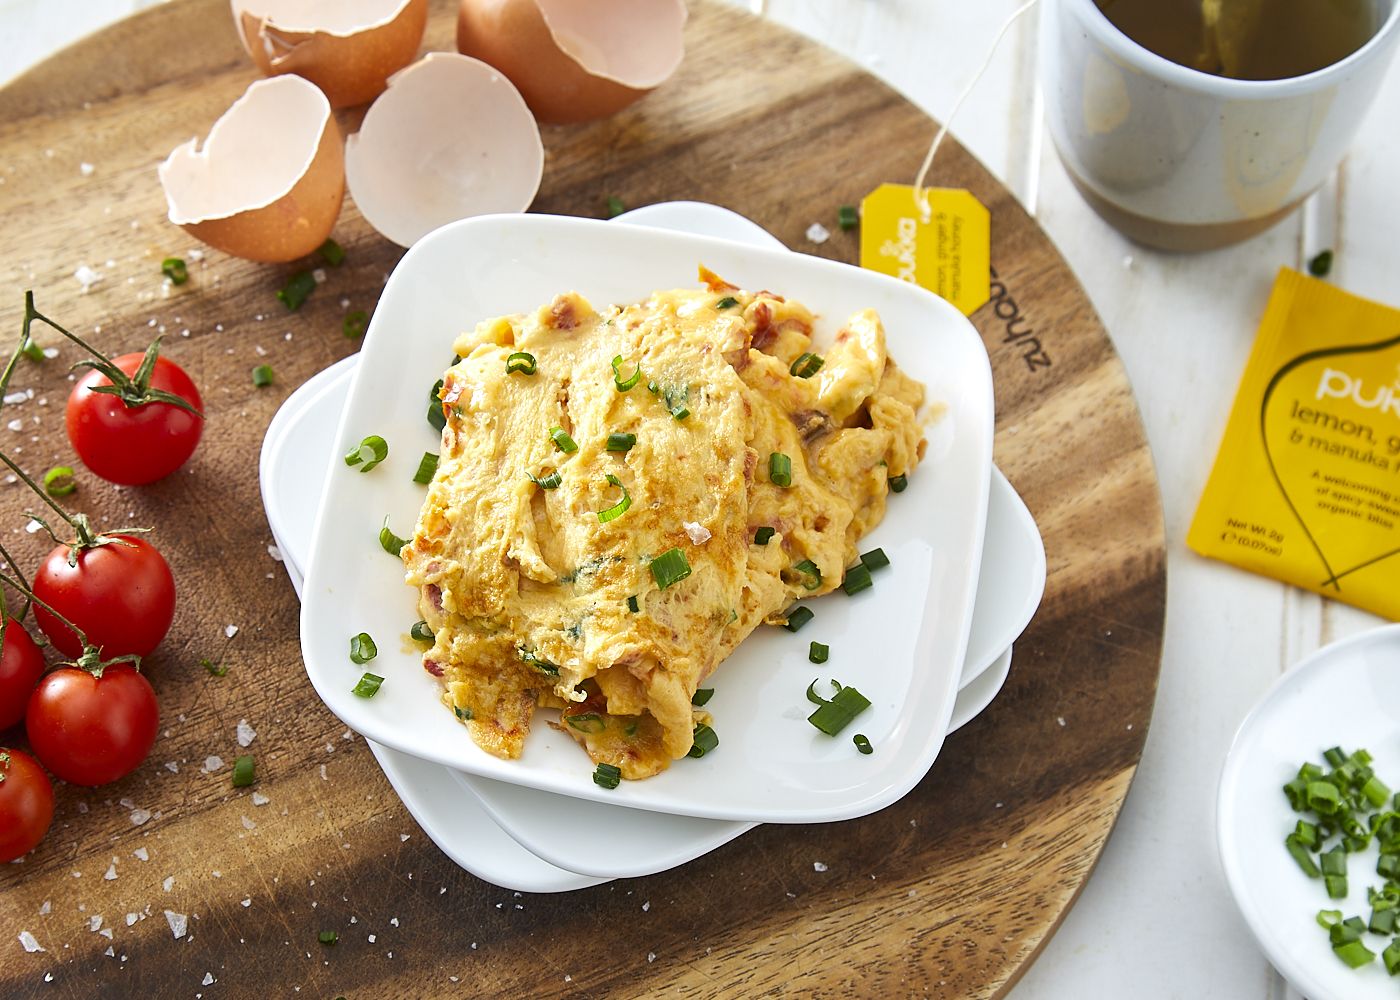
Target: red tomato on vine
21,666
26,804
92,727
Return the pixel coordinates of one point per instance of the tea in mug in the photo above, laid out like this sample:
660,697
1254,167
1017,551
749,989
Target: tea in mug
1247,39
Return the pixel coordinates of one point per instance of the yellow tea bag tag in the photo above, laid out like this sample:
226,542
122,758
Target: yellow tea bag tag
950,254
1306,487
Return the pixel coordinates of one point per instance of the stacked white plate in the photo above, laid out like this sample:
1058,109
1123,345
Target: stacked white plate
930,645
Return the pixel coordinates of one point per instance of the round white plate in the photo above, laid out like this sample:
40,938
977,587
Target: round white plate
1348,695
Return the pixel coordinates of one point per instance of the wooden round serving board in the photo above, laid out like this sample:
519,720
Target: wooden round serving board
950,892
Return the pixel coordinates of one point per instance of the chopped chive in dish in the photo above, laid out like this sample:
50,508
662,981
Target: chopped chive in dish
465,714
420,632
437,419
298,287
817,652
797,617
670,567
521,363
632,605
702,696
243,771
806,365
390,542
588,722
362,648
619,508
59,482
618,441
427,469
368,453
862,743
704,741
779,469
728,302
368,686
538,662
562,441
624,384
874,559
262,376
607,775
354,324
898,484
1321,265
857,579
763,535
811,574
549,482
836,714
174,269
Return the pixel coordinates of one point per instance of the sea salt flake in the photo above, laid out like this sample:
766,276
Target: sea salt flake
95,923
320,275
30,944
106,932
87,277
51,352
259,799
246,733
208,979
275,553
646,906
394,921
817,233
818,866
699,534
110,953
248,824
402,837
371,939
141,854
651,957
179,923
16,425
172,767
168,883
86,169
230,631
11,398
46,909
140,816
246,902
111,873
131,918
212,764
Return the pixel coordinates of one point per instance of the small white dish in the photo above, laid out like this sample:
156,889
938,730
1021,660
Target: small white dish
911,630
1348,695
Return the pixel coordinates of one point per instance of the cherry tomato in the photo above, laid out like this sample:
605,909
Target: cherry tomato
26,803
121,594
132,445
21,666
90,730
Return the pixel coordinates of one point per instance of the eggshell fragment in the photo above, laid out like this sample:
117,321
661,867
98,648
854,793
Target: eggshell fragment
268,182
348,48
450,138
576,60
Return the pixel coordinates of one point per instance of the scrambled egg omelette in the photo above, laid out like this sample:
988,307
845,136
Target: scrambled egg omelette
622,496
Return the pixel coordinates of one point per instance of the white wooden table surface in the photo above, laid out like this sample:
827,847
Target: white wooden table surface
1155,920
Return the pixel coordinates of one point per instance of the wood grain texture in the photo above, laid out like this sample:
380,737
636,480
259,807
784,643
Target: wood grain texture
949,892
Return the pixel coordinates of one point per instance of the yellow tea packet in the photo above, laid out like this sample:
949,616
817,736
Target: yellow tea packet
949,253
1306,487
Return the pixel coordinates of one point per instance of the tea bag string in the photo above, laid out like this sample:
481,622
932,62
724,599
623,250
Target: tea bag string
921,192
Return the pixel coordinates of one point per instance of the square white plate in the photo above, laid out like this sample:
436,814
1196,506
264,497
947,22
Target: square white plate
901,643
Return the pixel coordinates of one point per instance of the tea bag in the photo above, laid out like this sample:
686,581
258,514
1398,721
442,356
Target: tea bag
1229,28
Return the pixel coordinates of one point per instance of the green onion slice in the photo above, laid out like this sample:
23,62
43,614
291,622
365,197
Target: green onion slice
588,722
779,469
332,252
522,363
243,771
670,567
538,662
621,442
616,206
874,559
857,579
362,648
549,482
174,269
835,715
437,419
420,632
797,617
390,542
806,365
368,453
817,652
620,508
607,775
562,441
368,686
898,484
703,741
427,468
219,669
58,481
328,937
862,743
298,287
728,302
811,572
1321,265
632,604
847,218
702,696
763,535
623,384
465,714
262,376
354,324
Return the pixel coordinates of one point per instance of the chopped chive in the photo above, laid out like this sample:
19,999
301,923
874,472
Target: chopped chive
420,632
837,713
616,206
1354,954
728,302
390,542
779,469
243,771
680,412
815,698
368,453
607,775
797,617
362,648
587,722
817,652
632,605
1391,957
620,508
702,696
621,442
562,441
1327,918
857,579
465,714
437,418
670,567
368,686
624,384
1336,886
219,669
355,324
862,743
427,469
174,269
522,363
812,574
847,217
1382,920
298,287
898,484
874,559
763,535
328,937
1299,853
332,252
549,482
1321,265
1374,789
806,365
59,482
262,376
703,741
538,662
1323,797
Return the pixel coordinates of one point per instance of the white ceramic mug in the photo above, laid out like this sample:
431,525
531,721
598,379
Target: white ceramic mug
1183,160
